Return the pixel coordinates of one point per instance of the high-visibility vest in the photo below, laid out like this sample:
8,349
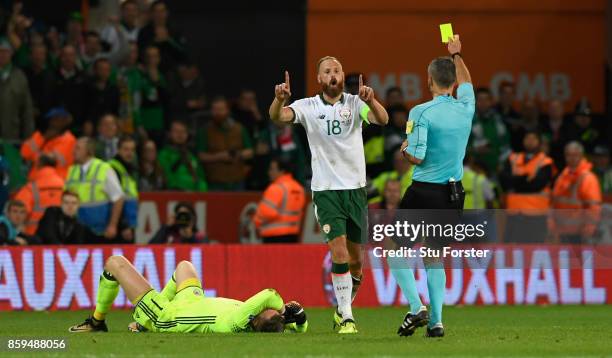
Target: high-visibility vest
95,206
473,184
61,147
374,150
380,181
130,189
576,200
529,203
43,191
281,209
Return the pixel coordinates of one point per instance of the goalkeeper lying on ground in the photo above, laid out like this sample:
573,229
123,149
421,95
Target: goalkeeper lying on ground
182,307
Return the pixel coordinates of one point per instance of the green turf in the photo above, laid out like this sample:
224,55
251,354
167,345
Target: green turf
471,331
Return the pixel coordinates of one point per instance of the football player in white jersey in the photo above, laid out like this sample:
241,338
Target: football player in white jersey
333,121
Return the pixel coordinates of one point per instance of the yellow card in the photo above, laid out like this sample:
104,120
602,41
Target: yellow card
446,30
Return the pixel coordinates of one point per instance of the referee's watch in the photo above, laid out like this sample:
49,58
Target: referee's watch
456,54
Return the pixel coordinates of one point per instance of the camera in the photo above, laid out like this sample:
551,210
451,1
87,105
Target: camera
183,219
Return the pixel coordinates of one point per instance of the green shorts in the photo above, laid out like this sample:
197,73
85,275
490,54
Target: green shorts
342,212
158,314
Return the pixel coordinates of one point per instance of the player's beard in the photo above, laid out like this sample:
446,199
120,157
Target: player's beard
333,88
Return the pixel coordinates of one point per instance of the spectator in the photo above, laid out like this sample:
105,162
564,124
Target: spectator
124,164
186,93
41,81
394,96
153,92
94,49
69,87
391,196
578,194
554,132
12,225
116,34
602,167
181,227
402,171
224,148
529,122
479,193
74,31
16,109
582,129
11,175
102,96
99,191
54,139
276,140
527,178
247,113
108,137
489,140
158,33
182,169
42,191
129,82
280,211
395,133
151,175
505,105
59,224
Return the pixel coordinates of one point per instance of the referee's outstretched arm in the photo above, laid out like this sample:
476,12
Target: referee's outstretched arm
454,47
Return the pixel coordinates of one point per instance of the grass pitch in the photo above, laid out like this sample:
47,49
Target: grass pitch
532,331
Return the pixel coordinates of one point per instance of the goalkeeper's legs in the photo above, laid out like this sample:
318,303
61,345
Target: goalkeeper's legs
118,271
185,275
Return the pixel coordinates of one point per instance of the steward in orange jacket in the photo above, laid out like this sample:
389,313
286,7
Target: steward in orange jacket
279,214
55,140
527,178
576,198
42,191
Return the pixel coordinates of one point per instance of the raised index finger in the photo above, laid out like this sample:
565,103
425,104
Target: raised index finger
287,79
360,81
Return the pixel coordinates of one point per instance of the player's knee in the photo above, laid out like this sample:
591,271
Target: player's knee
355,265
185,265
339,254
115,263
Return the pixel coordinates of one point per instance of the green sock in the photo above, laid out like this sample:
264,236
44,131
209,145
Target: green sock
169,290
404,276
108,289
436,285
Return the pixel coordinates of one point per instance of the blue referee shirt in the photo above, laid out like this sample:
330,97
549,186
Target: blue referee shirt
438,133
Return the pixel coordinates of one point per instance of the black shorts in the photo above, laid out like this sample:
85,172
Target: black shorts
430,198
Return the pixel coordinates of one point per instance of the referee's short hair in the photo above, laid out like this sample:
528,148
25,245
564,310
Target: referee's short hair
442,71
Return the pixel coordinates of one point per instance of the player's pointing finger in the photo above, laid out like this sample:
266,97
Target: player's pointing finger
287,79
360,81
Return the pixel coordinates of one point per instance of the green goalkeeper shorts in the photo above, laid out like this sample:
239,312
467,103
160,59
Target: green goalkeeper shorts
157,314
342,212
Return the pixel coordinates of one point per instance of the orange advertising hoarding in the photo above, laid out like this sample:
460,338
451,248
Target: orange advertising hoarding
550,49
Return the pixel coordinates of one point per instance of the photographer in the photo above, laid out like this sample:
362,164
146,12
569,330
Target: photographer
181,228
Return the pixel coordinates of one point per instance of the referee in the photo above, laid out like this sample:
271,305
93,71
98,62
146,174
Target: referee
438,133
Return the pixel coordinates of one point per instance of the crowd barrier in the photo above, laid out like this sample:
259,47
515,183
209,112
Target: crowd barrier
61,278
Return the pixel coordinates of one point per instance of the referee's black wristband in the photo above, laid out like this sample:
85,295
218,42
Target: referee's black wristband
456,54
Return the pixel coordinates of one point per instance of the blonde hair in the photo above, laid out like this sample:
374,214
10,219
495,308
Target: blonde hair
325,58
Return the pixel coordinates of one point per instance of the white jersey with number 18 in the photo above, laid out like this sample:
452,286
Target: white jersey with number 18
334,137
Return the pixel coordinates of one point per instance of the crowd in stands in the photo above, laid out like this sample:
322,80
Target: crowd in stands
91,117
